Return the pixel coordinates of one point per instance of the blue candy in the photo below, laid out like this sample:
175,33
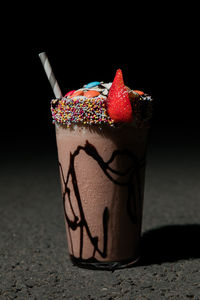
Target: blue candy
92,84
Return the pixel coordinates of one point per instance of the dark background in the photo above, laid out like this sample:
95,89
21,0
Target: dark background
156,50
156,46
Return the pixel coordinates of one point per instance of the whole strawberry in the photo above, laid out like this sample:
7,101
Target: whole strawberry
118,102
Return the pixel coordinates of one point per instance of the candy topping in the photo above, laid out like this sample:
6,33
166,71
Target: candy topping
77,93
70,93
91,94
92,84
139,92
99,103
119,106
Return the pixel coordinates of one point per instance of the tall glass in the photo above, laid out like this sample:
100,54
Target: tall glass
102,174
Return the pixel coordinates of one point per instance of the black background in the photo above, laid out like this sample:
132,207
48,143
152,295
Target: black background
156,48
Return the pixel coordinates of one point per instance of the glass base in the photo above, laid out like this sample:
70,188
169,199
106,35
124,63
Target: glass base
94,264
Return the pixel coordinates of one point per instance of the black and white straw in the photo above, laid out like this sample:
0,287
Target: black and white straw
50,75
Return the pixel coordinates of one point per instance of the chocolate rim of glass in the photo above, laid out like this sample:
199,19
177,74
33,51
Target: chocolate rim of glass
107,265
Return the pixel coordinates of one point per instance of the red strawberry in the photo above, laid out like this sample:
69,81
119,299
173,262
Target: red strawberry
118,103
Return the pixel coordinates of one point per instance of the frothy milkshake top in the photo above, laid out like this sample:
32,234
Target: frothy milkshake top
99,103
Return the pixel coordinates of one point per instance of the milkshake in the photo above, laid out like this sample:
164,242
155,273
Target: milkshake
101,133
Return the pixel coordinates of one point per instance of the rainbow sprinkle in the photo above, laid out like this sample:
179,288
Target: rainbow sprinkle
88,111
92,110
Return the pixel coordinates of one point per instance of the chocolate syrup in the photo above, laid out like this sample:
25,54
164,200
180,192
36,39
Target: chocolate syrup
133,199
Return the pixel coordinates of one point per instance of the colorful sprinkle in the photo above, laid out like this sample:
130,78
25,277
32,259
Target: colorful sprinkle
88,106
91,111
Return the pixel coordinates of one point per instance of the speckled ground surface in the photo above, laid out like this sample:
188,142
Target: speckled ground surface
34,263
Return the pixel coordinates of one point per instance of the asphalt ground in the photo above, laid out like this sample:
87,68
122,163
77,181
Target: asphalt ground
34,262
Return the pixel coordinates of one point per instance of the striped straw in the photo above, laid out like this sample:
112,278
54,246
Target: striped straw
50,75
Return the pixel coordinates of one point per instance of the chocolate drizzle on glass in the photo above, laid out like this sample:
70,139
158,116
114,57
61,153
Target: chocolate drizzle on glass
133,203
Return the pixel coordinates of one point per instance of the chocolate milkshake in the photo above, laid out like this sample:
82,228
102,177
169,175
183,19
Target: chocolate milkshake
101,132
